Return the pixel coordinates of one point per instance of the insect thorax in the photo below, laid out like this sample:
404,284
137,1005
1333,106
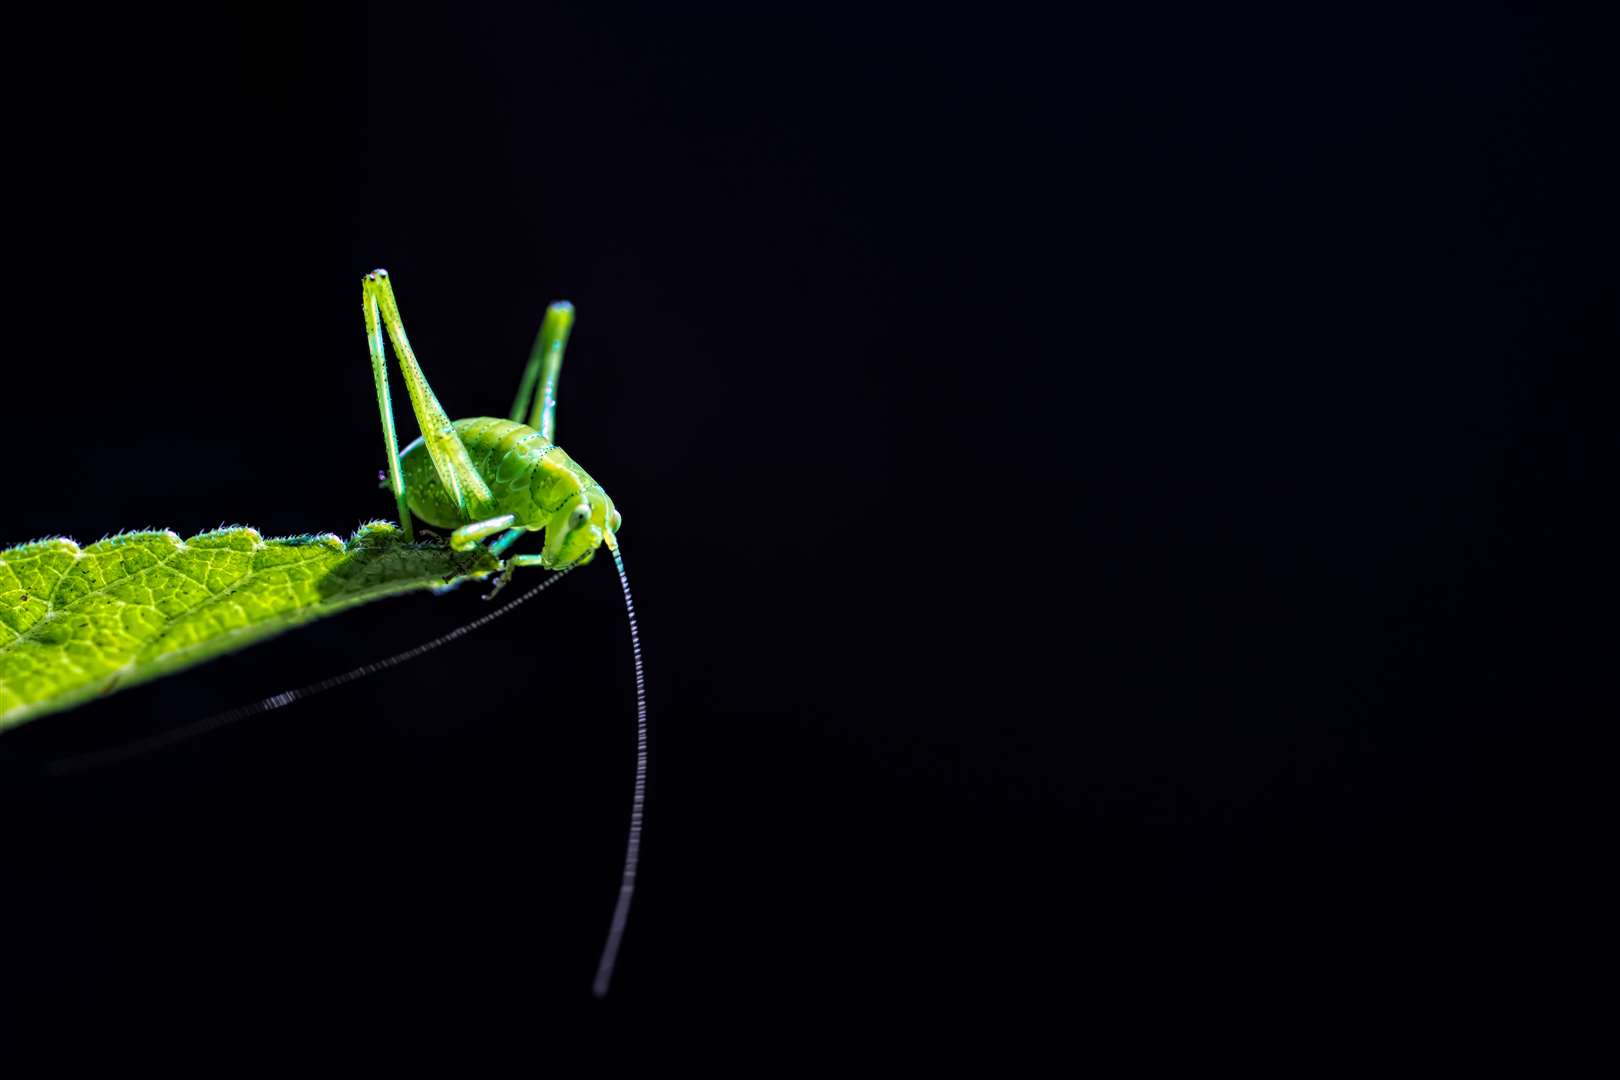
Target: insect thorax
527,475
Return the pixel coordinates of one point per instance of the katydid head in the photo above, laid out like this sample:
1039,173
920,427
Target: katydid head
580,526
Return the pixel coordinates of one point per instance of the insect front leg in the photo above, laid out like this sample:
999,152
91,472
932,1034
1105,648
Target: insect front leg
499,545
468,535
511,566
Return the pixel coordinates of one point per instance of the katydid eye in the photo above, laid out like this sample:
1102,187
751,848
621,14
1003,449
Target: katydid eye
581,514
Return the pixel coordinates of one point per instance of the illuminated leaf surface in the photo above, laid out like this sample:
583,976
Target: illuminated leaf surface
77,623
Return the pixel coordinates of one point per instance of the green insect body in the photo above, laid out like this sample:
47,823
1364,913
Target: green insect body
484,476
529,477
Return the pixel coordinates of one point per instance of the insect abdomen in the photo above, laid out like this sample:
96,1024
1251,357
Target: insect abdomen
527,475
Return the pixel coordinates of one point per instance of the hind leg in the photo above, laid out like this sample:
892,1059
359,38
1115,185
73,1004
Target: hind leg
379,372
455,469
545,365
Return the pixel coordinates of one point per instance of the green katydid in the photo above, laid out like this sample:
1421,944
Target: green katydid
76,623
484,477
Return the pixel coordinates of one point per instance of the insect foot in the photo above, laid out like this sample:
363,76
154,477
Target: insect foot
500,582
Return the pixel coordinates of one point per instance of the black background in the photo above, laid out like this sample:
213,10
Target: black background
1103,495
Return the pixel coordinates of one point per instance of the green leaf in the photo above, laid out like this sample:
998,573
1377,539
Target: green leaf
77,623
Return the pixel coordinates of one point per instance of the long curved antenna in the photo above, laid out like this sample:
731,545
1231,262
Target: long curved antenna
638,802
98,758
